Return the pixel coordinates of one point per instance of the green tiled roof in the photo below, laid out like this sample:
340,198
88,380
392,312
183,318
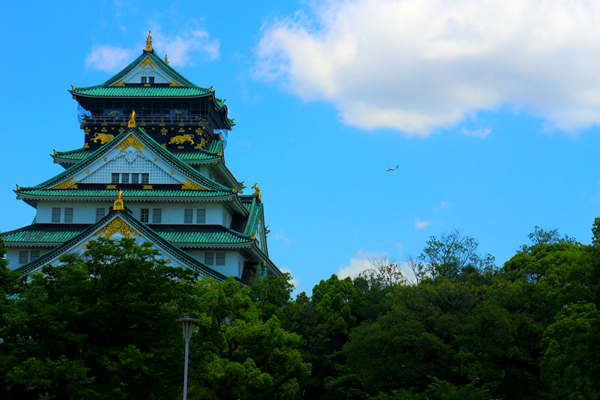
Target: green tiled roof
185,168
89,229
128,194
115,91
210,153
30,234
55,234
183,238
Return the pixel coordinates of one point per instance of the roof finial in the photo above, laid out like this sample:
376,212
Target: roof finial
166,60
256,191
149,42
118,205
131,123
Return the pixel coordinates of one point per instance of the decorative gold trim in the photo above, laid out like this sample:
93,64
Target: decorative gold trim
111,186
191,185
103,137
68,184
131,123
86,146
147,187
256,191
166,60
234,190
148,42
131,140
175,84
201,145
120,83
87,171
252,237
172,172
181,139
117,225
84,246
147,61
118,205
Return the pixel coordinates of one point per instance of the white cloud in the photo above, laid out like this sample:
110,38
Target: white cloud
182,49
280,237
444,204
360,262
480,133
419,224
294,281
109,58
418,65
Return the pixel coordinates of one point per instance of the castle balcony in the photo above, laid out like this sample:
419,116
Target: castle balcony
142,120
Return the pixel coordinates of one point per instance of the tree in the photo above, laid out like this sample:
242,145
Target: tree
448,255
571,361
103,325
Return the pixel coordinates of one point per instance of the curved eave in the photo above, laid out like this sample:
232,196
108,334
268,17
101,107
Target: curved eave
33,199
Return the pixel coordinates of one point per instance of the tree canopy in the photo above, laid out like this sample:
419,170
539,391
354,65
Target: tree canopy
104,326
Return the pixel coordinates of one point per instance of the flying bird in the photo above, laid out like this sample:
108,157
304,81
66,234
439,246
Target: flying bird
392,169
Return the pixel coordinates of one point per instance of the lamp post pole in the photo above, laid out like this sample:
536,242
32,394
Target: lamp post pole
188,328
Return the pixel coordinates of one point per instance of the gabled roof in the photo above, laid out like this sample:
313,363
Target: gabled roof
52,235
210,153
125,222
146,140
180,87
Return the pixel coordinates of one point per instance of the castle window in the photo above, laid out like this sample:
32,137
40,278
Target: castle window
144,79
135,178
115,177
144,215
56,215
157,215
201,215
34,254
23,257
188,216
124,178
145,178
151,79
100,212
209,258
220,258
68,215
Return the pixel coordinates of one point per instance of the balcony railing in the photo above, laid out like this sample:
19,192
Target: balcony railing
142,119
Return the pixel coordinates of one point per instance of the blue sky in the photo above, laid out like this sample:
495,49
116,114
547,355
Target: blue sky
491,115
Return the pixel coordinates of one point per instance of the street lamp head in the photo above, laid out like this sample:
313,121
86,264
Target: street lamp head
188,326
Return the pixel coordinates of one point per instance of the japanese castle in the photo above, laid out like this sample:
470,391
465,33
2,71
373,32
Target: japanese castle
152,168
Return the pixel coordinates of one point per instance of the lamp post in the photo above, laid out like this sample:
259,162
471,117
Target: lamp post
188,327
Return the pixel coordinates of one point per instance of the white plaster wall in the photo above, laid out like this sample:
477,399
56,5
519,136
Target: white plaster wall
12,255
129,161
83,212
234,262
134,76
172,213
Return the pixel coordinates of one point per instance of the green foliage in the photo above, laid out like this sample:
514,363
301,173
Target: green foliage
103,326
448,255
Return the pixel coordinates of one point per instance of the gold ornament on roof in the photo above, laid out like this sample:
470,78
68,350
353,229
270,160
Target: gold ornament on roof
117,225
181,139
166,60
149,42
131,141
256,192
131,123
102,138
118,205
68,184
201,145
191,185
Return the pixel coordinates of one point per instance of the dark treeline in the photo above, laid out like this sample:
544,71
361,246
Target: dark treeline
104,327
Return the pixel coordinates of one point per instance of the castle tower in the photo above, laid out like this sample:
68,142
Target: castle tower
152,168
